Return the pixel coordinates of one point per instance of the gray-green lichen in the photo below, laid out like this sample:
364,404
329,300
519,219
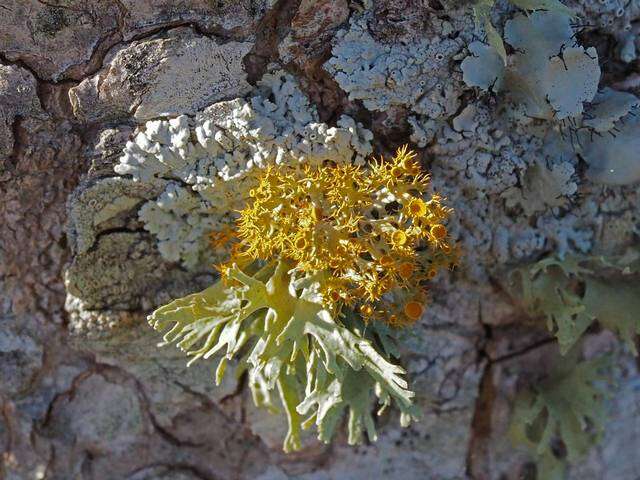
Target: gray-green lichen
613,157
551,76
415,75
116,272
395,74
543,202
608,107
513,196
104,204
549,73
483,68
543,187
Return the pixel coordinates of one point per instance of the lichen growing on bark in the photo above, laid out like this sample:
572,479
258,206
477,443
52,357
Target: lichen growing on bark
79,79
320,261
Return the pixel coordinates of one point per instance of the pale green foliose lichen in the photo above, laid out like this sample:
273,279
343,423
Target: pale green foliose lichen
572,294
568,406
543,187
551,76
482,12
608,107
613,158
548,72
299,356
611,141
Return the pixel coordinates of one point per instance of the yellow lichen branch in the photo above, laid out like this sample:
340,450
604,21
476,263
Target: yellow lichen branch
376,232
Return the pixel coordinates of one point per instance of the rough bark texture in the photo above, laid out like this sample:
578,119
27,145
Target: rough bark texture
76,77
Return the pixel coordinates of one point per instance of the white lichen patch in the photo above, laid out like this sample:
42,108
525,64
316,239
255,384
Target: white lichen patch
385,75
180,220
164,147
211,154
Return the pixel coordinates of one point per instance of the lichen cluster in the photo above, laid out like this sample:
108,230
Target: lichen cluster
573,292
368,231
203,162
569,407
323,260
323,255
482,14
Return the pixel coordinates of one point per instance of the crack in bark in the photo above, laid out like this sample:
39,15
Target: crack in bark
145,403
478,463
20,63
204,399
481,427
116,38
525,350
65,394
103,47
11,161
273,27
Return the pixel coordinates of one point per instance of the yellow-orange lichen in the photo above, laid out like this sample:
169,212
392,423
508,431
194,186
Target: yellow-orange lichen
375,233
